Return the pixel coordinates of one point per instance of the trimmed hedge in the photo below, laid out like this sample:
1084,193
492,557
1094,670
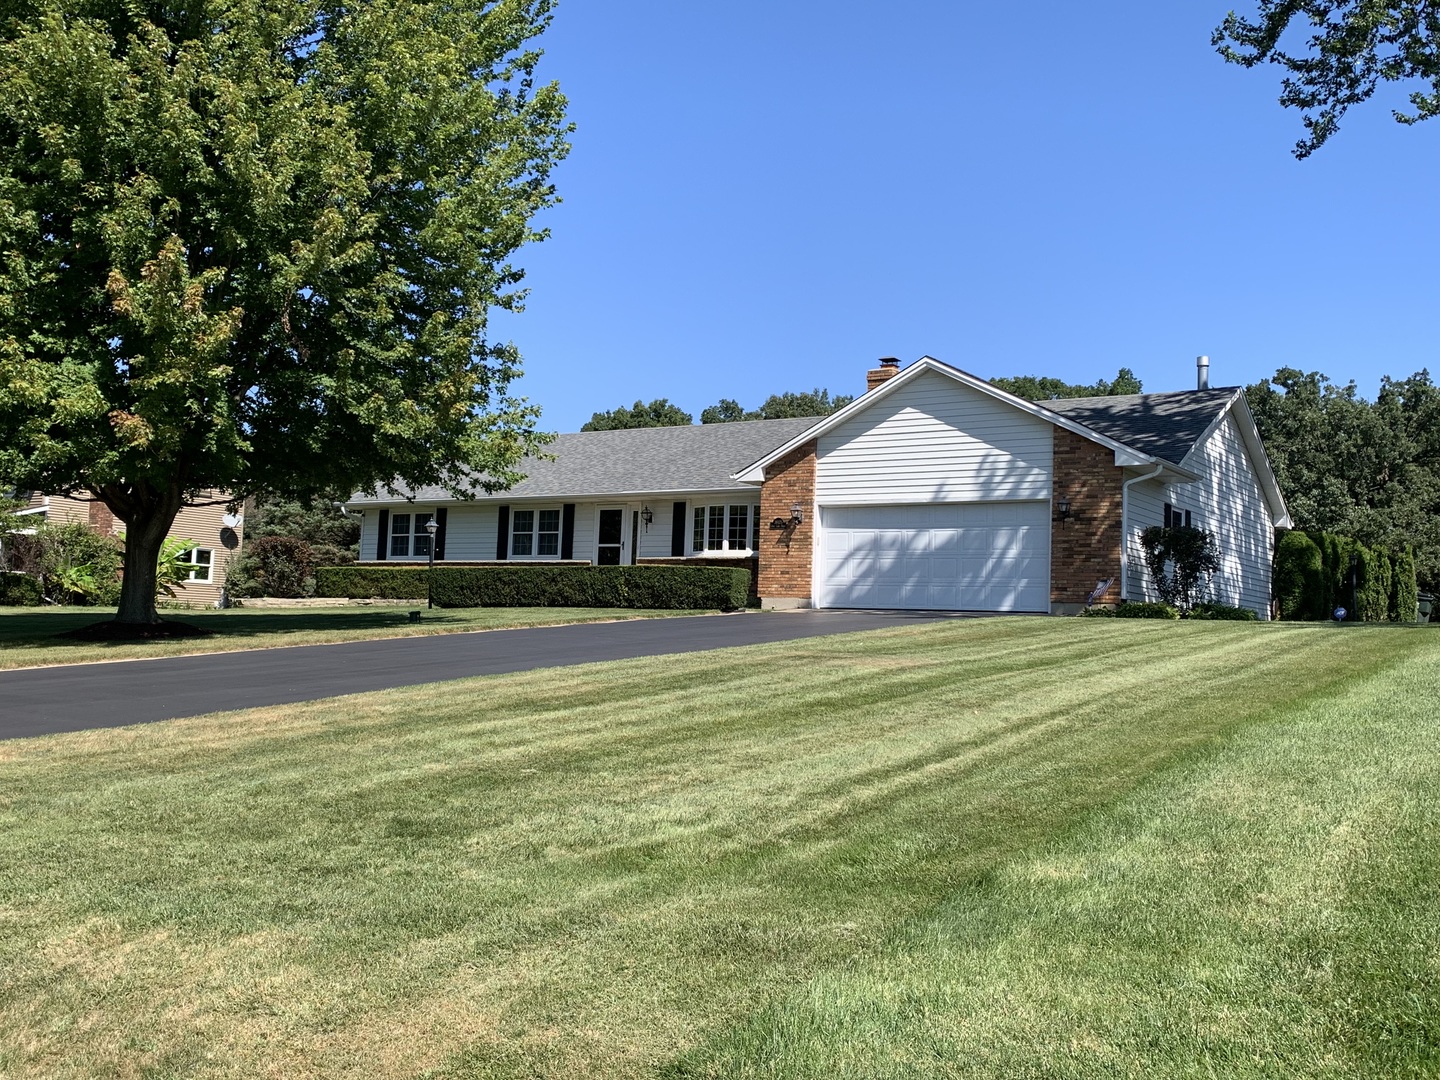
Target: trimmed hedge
20,590
1133,609
1210,610
364,582
684,587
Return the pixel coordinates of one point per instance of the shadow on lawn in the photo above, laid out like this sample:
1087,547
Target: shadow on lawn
42,628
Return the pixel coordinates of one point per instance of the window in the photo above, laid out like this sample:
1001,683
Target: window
1174,519
409,536
199,561
733,527
535,534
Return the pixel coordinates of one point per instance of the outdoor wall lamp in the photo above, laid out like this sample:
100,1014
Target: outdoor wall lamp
797,514
1062,509
647,515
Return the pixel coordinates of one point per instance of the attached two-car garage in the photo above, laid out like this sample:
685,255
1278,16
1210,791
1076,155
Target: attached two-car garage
977,556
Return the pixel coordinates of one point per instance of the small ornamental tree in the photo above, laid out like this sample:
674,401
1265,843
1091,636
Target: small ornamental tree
251,245
1178,558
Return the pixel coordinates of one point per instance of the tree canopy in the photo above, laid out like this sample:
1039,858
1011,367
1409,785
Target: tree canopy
1046,388
1361,469
785,406
659,413
1353,47
252,244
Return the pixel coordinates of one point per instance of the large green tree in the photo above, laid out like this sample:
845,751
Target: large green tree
1049,388
252,244
786,406
659,413
1361,469
1337,53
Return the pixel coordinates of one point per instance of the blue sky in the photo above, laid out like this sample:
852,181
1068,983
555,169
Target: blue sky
769,196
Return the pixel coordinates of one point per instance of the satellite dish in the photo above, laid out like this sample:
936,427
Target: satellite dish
232,520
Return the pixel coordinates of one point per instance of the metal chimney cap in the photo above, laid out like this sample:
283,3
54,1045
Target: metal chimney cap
889,361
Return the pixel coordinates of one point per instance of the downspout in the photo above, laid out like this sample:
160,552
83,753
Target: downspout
1125,529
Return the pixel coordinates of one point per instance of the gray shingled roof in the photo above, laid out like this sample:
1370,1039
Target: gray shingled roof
700,457
1162,425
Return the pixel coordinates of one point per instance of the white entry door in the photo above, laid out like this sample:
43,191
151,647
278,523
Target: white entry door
950,556
612,540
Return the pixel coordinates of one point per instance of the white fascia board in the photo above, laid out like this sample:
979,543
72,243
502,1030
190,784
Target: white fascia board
32,510
1124,455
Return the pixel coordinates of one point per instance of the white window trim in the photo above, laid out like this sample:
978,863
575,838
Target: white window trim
752,523
535,532
414,515
188,558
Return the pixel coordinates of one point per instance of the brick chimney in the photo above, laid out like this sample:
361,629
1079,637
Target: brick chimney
888,369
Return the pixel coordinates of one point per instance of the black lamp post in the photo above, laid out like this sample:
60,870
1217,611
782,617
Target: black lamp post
431,527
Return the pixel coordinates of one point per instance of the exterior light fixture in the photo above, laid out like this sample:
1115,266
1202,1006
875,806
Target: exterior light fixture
797,514
1062,509
432,527
647,515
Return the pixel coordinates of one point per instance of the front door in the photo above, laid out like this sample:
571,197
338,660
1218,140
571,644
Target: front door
610,543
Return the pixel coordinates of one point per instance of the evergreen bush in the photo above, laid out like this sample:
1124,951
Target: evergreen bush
366,582
1299,566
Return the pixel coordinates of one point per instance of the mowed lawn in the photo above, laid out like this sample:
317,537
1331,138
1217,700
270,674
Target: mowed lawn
28,636
992,848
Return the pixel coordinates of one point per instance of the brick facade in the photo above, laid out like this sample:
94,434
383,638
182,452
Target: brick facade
1085,550
785,554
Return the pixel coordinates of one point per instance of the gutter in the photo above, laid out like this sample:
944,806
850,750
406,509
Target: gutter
1125,528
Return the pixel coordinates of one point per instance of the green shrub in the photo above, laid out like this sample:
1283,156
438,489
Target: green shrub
1404,594
274,566
1133,609
20,590
681,587
1210,610
364,582
1177,558
1299,566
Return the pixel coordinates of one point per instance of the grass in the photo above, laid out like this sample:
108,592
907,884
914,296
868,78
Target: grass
1042,848
28,636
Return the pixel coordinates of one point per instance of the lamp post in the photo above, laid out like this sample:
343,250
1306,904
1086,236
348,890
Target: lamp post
431,526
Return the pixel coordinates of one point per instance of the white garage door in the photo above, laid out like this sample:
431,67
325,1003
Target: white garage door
953,556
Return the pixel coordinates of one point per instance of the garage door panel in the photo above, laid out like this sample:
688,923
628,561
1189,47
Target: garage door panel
963,556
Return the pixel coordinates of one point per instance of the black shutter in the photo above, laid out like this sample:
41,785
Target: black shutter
382,546
567,531
677,530
440,533
502,534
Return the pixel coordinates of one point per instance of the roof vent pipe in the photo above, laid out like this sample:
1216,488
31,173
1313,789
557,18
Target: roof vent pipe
1202,373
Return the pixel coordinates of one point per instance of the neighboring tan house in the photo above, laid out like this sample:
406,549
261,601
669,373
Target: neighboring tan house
216,533
933,490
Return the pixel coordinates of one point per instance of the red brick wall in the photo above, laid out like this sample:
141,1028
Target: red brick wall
1086,549
785,554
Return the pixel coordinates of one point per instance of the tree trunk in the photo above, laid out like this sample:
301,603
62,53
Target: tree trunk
146,527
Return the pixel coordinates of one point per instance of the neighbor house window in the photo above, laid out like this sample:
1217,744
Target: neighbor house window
535,534
408,535
198,562
730,527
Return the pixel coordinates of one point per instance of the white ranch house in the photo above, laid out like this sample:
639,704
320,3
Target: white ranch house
933,490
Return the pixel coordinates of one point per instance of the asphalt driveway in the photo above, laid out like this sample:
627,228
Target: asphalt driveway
76,697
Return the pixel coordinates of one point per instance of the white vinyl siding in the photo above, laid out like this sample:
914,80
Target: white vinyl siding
1227,502
935,441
